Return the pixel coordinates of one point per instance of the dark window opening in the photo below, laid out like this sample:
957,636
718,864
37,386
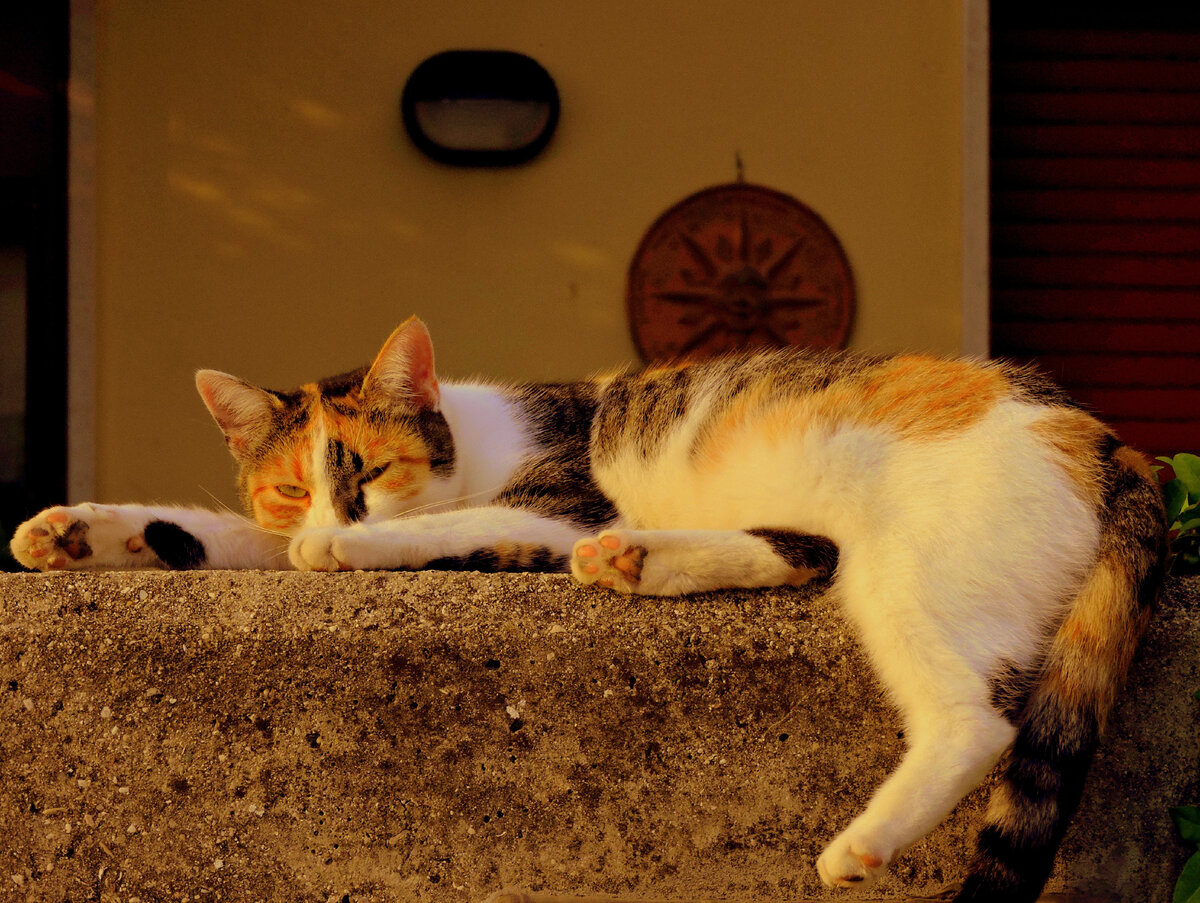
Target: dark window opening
33,262
1095,209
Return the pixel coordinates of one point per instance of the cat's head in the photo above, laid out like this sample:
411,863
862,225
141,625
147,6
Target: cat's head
364,446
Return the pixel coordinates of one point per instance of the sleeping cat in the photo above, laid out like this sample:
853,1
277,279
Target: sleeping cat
997,548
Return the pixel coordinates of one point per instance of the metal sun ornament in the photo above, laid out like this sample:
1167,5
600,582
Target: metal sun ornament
738,266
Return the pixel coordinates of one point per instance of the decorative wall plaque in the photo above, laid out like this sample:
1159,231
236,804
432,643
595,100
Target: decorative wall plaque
738,266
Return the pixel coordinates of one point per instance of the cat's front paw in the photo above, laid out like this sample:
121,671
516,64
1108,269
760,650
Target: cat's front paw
78,537
851,862
611,560
360,547
322,549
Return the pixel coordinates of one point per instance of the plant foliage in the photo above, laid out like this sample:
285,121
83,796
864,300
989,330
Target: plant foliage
1182,497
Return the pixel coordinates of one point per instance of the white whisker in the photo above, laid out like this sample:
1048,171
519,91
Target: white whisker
250,522
411,512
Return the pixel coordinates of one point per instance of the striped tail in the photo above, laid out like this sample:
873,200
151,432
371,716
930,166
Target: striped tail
1061,723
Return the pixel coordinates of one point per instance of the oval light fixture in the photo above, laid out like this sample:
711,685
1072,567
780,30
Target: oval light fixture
480,107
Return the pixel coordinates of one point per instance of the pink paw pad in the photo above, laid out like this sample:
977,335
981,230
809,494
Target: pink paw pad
627,565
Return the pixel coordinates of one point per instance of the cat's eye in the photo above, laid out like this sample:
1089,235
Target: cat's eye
292,492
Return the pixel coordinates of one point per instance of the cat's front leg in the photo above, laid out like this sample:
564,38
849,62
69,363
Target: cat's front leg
95,537
83,536
492,538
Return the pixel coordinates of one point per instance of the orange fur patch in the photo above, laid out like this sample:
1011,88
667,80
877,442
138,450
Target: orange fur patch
1136,462
1095,644
914,397
287,467
919,397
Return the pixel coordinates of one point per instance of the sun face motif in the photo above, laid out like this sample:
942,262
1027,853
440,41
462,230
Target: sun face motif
738,266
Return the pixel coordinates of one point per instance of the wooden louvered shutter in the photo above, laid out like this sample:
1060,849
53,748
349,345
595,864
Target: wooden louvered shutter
1096,220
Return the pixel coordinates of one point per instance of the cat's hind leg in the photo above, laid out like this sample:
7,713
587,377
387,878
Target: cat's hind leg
954,725
947,757
672,562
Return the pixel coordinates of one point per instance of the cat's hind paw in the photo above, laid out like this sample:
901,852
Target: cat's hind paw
79,537
611,559
850,863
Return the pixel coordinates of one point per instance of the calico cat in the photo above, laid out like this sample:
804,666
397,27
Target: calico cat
998,549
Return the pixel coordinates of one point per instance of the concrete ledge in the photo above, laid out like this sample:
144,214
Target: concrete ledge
251,736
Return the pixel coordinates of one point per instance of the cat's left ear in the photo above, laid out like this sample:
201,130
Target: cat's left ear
245,413
402,376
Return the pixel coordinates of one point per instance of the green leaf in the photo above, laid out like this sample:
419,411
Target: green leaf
1187,470
1196,695
1187,889
1175,496
1187,820
1187,526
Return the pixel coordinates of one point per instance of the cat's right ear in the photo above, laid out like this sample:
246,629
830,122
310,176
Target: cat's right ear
245,413
402,376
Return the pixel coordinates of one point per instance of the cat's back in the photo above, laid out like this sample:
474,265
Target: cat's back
710,440
916,397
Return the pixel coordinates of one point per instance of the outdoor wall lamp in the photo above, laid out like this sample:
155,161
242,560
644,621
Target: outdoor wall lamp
480,107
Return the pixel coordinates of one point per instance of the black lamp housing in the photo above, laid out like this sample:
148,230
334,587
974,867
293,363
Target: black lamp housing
480,107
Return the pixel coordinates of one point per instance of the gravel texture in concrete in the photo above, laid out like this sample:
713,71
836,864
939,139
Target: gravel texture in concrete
363,737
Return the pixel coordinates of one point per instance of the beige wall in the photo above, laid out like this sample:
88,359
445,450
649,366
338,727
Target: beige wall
258,210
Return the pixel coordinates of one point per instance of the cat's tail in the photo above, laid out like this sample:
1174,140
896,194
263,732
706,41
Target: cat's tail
1071,697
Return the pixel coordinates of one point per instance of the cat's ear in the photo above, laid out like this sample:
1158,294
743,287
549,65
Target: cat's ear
402,376
245,413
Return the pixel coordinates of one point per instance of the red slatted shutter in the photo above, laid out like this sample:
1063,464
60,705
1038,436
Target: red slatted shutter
1096,219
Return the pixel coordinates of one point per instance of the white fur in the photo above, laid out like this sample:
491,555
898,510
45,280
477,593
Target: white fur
321,511
411,542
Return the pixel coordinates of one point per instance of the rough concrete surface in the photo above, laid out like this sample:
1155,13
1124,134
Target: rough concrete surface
364,737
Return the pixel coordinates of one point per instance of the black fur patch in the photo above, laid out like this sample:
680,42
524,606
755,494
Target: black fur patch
1010,689
345,468
1005,871
801,550
436,434
1045,771
175,547
1036,387
640,411
540,559
74,542
343,383
558,482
